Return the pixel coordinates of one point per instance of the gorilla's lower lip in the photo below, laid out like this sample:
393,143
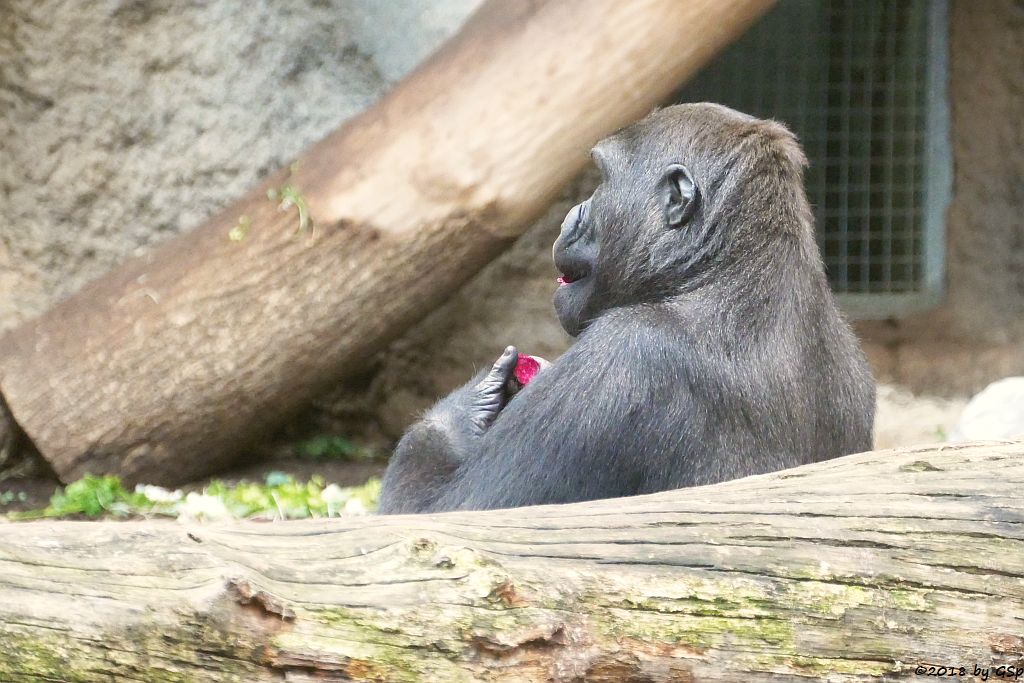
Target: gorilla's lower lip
564,279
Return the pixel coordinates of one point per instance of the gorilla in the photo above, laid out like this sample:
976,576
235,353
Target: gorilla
709,346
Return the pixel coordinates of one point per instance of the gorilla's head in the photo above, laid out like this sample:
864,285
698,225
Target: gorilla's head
685,195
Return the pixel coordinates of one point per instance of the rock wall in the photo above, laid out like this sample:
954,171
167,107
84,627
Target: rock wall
123,122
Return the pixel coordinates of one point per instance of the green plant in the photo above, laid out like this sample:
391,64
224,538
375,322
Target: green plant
332,447
8,497
290,196
281,496
241,229
95,496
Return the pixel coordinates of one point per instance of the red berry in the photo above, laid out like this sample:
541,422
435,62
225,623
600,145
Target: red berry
527,368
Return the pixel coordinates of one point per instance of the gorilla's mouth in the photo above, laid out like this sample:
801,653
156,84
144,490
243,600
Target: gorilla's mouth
571,275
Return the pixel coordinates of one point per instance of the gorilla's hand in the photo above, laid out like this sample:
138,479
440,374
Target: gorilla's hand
486,397
432,451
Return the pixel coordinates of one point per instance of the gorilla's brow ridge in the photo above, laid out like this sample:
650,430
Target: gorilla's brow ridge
600,157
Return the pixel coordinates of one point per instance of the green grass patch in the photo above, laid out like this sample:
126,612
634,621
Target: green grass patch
280,496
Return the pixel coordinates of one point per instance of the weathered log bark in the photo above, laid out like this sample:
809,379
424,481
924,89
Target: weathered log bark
165,368
861,568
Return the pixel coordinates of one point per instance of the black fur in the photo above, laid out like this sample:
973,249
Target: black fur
709,347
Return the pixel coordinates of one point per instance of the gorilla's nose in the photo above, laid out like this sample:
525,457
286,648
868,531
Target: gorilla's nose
572,219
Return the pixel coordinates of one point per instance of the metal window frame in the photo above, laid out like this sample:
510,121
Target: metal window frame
931,169
938,188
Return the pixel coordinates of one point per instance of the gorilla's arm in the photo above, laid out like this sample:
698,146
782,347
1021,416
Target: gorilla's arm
606,419
431,452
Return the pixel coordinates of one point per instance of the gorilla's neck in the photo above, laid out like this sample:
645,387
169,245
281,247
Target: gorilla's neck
780,282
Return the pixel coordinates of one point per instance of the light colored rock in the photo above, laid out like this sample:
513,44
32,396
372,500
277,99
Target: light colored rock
997,412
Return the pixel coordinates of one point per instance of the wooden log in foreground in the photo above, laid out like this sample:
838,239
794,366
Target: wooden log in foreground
167,367
862,568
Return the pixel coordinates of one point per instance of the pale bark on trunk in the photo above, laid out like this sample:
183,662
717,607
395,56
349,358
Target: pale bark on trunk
861,568
166,368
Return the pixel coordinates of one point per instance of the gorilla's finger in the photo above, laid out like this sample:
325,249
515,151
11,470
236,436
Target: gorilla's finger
503,368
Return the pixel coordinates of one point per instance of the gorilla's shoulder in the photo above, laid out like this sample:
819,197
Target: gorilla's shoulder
637,337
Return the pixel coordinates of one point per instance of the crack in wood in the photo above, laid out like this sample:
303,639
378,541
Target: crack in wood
247,594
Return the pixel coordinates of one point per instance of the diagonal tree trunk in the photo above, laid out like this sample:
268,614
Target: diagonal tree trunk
858,569
164,369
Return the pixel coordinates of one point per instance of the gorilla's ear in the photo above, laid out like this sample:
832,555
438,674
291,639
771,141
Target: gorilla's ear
679,194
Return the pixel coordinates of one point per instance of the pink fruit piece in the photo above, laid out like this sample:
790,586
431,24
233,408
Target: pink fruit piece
527,368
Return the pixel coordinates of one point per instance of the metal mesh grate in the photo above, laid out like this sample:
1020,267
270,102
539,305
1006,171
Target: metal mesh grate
862,83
